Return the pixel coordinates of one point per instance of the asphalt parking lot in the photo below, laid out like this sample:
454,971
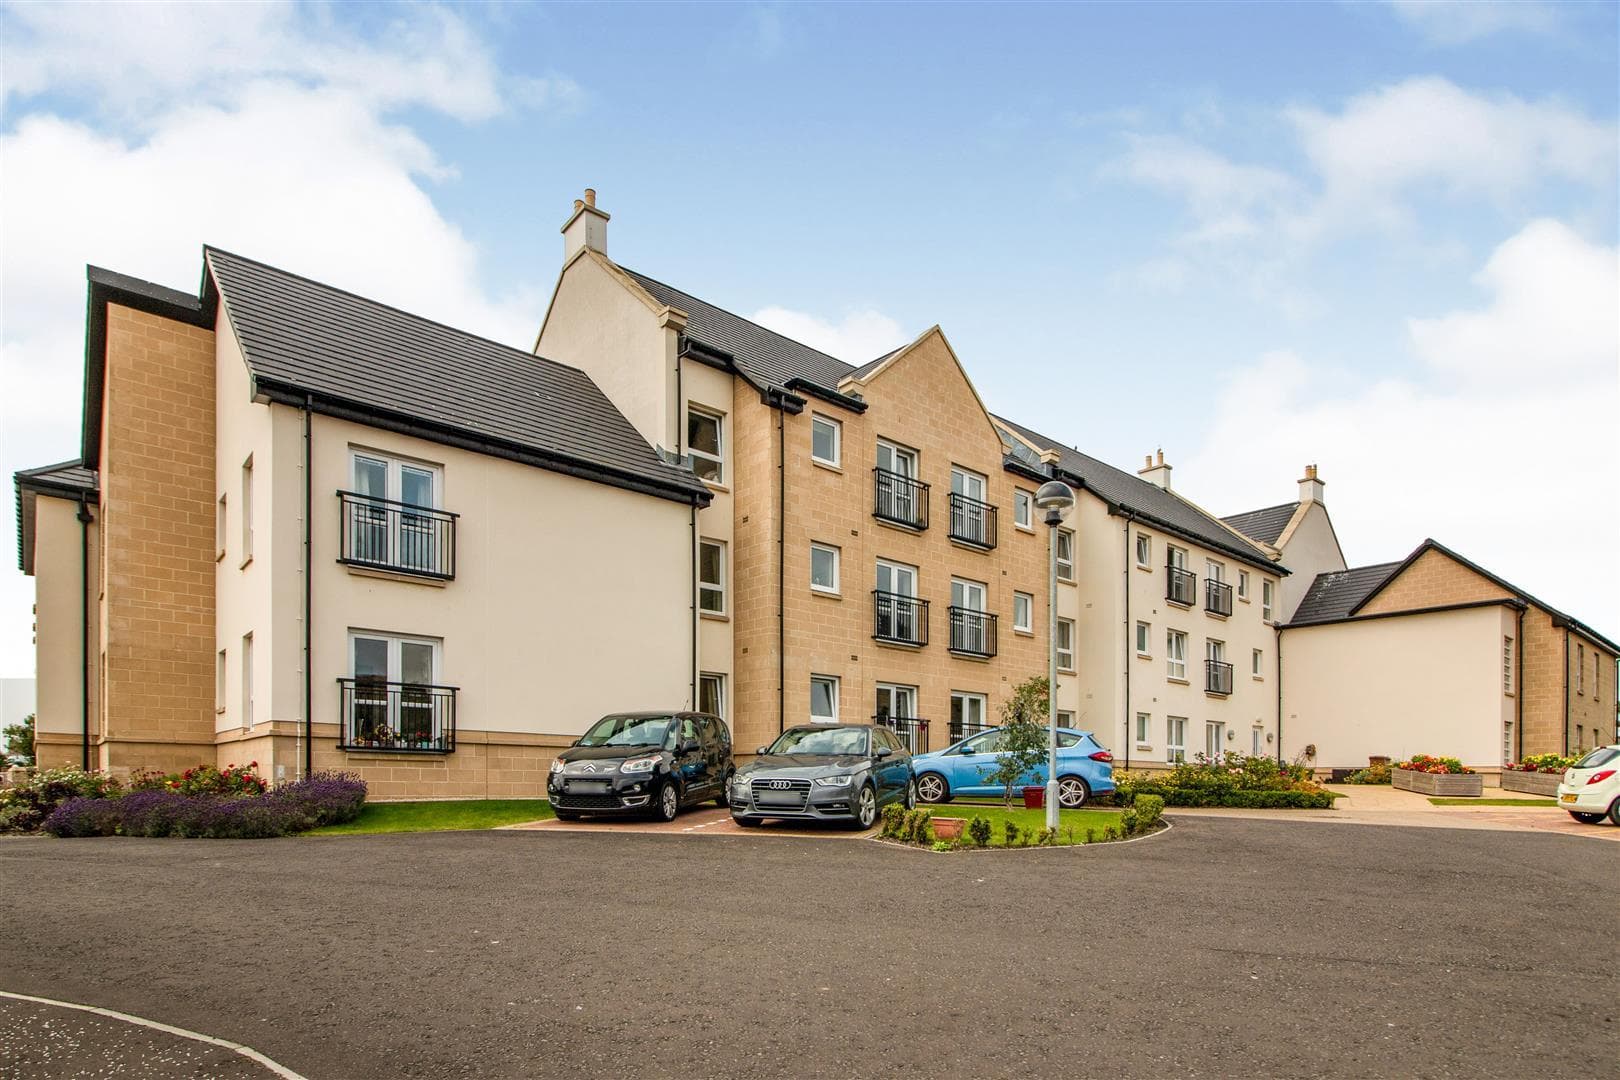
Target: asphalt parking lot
1223,948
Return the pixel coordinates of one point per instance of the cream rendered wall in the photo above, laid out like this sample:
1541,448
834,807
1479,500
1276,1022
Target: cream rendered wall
571,598
58,624
712,390
1403,685
1311,549
1096,605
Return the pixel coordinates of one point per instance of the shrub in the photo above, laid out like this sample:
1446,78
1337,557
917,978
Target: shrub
1547,763
891,818
978,831
25,807
1009,833
1424,763
1376,773
1128,821
83,816
1149,811
319,799
1111,832
1091,834
207,780
1046,838
922,829
943,845
153,812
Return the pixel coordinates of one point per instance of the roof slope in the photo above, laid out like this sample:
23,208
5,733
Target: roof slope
67,479
1151,501
1263,525
311,338
767,357
1335,594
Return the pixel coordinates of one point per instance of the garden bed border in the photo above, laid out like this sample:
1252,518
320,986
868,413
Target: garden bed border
1449,785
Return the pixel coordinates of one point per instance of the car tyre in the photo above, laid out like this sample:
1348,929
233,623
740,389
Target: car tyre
723,800
1073,792
932,788
910,799
1586,818
863,813
667,803
747,822
1614,812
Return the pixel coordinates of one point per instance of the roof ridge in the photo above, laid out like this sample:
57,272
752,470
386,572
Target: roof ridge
1259,510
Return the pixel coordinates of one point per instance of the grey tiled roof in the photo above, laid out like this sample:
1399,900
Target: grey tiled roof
1263,525
316,339
1149,500
1334,595
66,478
766,357
872,365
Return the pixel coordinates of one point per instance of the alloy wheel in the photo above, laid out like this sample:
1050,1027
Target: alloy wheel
1072,792
865,808
911,795
931,787
669,802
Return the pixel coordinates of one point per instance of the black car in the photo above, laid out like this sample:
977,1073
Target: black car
643,763
841,772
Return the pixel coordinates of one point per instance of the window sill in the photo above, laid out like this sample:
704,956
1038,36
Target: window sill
1144,656
389,575
1024,528
830,466
1178,604
1258,678
1068,581
826,594
715,616
1243,599
245,563
1216,615
1144,569
893,643
713,485
1145,746
899,526
1023,633
1067,671
1178,682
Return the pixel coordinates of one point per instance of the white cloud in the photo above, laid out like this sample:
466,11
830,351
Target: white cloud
1490,464
1225,198
860,336
290,157
1457,22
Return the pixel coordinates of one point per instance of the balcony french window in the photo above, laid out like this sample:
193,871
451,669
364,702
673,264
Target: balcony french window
899,499
973,633
1181,585
1217,597
899,619
1217,677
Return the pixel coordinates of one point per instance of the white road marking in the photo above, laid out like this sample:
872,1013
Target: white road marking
237,1048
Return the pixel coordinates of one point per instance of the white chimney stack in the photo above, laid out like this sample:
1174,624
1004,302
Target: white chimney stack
1156,471
1310,488
585,228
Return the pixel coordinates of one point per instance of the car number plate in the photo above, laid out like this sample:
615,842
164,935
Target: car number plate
588,787
779,798
1569,798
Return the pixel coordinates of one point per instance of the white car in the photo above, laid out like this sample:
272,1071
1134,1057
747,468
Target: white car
1591,787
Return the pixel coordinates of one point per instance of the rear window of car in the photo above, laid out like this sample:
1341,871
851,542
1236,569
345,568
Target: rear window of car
1601,756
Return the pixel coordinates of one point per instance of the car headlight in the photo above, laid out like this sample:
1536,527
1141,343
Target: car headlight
557,765
740,782
834,781
639,765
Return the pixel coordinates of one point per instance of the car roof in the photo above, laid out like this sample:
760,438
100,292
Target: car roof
653,714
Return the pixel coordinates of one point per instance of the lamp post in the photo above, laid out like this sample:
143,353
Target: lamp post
1056,499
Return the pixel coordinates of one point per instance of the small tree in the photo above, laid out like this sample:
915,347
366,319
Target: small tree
20,741
1023,734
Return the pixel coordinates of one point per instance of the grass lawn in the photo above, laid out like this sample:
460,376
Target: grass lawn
1492,802
439,816
1028,820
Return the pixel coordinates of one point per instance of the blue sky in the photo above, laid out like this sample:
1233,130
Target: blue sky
1378,237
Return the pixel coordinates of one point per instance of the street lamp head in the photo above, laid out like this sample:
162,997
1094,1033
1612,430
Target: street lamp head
1055,498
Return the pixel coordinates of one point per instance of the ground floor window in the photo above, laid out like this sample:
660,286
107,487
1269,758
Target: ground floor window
712,694
896,709
394,698
1257,735
967,714
823,699
1175,738
1142,721
1214,732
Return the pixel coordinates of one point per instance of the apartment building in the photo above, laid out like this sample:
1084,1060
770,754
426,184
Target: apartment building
313,531
872,549
1436,654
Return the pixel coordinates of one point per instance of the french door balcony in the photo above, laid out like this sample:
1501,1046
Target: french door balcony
1217,677
382,534
902,620
973,522
1217,597
397,717
899,499
1181,586
973,633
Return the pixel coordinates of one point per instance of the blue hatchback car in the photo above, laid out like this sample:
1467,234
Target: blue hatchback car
1084,769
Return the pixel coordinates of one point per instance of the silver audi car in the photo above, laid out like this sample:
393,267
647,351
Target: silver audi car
827,772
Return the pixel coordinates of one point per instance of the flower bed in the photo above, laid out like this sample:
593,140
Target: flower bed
1533,783
229,805
1233,780
998,827
1445,776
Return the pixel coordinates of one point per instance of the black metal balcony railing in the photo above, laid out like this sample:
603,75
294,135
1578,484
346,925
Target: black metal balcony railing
912,731
900,499
900,619
973,522
382,534
1217,677
1181,586
1217,597
397,718
962,729
973,632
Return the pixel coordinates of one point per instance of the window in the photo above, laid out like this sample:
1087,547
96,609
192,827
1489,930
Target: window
1243,585
1065,555
1143,722
973,520
704,442
1023,501
1580,669
1507,665
380,530
967,714
899,615
826,440
1580,737
712,694
221,523
1215,651
1175,738
823,699
1214,571
711,577
219,682
1175,649
1214,732
1144,550
895,702
823,568
1255,735
972,631
1177,557
392,700
247,681
1144,638
247,510
1065,644
1266,590
1023,612
1065,718
1257,658
900,498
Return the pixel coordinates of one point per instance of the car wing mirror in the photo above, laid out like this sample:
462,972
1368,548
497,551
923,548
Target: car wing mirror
763,750
884,751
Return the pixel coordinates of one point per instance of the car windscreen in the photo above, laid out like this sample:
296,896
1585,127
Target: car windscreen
1603,755
836,742
628,731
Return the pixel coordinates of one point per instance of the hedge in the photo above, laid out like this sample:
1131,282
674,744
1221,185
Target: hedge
1248,800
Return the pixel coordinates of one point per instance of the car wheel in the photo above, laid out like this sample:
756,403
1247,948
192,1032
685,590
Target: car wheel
1585,818
748,822
910,801
565,815
1072,792
864,811
667,803
1614,812
931,788
723,799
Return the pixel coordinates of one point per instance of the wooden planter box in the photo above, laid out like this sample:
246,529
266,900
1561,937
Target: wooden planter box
1533,783
1450,785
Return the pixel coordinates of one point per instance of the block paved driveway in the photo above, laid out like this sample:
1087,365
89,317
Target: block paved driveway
1223,948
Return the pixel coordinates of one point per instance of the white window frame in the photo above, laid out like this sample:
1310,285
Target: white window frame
1215,571
1175,738
1144,730
837,429
1215,650
1027,602
971,590
1214,736
1175,655
1144,639
1255,741
1243,586
247,510
967,697
1507,666
902,700
1176,557
1580,668
395,672
1065,718
222,524
1023,509
833,682
1065,566
719,458
1144,550
837,560
1065,655
394,523
221,674
1257,662
247,680
1268,595
718,680
710,586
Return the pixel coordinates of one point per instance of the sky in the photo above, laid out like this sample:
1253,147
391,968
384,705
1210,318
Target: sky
1377,237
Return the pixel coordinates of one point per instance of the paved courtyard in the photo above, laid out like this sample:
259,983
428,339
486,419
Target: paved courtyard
1222,948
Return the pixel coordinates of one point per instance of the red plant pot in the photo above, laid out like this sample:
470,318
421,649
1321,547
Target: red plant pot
948,828
1034,797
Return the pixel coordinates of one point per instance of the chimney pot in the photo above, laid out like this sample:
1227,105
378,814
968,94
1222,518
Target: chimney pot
1310,486
1156,471
590,196
577,204
586,227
